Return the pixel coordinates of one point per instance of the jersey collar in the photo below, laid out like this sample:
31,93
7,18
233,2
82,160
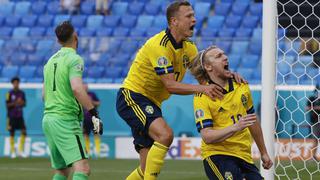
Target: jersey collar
68,49
224,91
173,41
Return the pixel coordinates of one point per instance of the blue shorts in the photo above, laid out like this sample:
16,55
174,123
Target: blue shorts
138,112
230,168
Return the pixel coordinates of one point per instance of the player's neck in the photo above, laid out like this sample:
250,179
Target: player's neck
218,80
176,35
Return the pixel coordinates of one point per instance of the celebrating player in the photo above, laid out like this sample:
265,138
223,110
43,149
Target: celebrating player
15,101
156,72
226,125
63,96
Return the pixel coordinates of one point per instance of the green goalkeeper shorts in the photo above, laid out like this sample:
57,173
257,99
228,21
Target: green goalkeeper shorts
65,141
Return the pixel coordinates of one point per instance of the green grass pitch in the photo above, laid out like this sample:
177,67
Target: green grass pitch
39,168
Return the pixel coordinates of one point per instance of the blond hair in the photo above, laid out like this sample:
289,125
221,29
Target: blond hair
197,67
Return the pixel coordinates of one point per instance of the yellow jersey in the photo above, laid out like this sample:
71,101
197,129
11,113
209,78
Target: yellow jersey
161,54
219,114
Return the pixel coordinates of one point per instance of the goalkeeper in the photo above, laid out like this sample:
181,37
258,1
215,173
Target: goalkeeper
226,125
63,96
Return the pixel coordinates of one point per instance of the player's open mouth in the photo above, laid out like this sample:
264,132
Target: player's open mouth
192,28
226,67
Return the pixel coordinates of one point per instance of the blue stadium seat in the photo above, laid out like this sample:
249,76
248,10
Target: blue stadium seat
137,32
50,32
22,8
29,21
118,80
27,46
94,21
6,8
283,68
135,8
12,45
250,21
44,45
95,71
160,21
226,32
114,46
233,21
242,1
38,72
305,60
12,21
113,72
222,9
244,33
79,21
87,7
38,7
204,44
18,59
27,71
250,61
144,21
5,31
209,32
119,8
256,9
152,31
103,32
37,31
239,9
20,32
2,18
45,20
257,33
128,47
202,8
246,73
215,22
53,7
35,59
9,71
87,32
312,72
120,32
121,60
1,43
200,20
234,61
239,47
255,48
60,18
152,8
111,21
104,80
224,45
89,80
128,21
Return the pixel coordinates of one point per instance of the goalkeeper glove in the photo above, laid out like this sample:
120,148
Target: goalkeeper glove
97,123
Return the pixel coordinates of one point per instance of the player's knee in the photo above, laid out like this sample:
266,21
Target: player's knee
82,166
166,137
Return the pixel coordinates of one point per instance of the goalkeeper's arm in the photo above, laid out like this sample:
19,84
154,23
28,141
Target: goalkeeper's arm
83,98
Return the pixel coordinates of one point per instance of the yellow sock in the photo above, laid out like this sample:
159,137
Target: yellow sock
87,142
97,144
11,144
155,160
136,174
21,144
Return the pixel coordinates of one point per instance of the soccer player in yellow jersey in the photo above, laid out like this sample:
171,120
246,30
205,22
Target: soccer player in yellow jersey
156,73
227,125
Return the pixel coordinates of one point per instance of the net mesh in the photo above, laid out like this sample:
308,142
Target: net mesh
297,155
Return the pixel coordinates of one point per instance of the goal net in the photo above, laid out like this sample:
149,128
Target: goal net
297,74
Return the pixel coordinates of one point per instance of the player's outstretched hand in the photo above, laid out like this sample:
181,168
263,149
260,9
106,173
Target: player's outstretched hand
97,125
213,91
266,161
238,78
246,121
96,121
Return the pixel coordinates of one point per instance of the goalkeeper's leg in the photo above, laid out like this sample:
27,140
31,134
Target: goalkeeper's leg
81,170
163,137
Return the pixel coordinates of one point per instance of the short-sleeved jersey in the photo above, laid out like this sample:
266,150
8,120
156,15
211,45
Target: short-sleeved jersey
219,114
161,54
12,96
60,101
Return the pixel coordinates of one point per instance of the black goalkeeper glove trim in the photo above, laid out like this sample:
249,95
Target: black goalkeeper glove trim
94,112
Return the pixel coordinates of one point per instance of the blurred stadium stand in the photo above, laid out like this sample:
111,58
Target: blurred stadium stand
109,43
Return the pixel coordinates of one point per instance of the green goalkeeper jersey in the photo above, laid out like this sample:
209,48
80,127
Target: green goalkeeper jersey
59,99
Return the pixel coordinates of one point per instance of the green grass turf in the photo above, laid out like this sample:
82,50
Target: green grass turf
39,168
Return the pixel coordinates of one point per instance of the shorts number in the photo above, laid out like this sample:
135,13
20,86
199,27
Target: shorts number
177,75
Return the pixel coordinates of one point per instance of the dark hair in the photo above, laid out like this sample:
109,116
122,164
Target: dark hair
16,78
174,7
64,31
